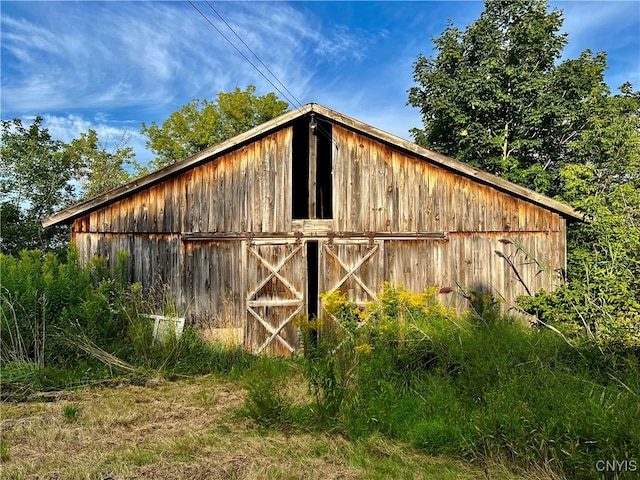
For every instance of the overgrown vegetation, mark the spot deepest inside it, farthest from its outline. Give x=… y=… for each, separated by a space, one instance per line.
x=483 y=386
x=63 y=325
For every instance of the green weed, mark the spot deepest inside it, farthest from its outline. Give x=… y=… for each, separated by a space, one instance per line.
x=70 y=413
x=5 y=451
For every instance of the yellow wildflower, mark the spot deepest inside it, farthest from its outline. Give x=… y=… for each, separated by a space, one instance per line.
x=363 y=349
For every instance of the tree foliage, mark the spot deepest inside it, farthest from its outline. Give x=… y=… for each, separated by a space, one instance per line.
x=601 y=298
x=101 y=169
x=40 y=175
x=201 y=124
x=497 y=96
x=36 y=179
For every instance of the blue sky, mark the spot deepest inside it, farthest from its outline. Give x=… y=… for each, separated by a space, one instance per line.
x=112 y=65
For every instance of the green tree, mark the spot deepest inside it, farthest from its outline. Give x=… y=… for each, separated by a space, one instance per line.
x=36 y=179
x=495 y=97
x=102 y=170
x=601 y=298
x=201 y=124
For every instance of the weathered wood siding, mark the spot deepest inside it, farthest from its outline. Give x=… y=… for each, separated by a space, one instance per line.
x=244 y=190
x=381 y=189
x=378 y=189
x=379 y=193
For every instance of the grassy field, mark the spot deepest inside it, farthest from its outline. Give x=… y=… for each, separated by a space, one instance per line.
x=193 y=429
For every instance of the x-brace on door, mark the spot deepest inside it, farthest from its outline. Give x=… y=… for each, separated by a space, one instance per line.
x=276 y=272
x=352 y=266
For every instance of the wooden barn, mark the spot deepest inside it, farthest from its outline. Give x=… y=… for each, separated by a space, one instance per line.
x=247 y=233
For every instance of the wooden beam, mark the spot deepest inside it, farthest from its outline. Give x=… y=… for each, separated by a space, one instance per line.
x=351 y=272
x=275 y=273
x=313 y=170
x=271 y=330
x=220 y=236
x=276 y=332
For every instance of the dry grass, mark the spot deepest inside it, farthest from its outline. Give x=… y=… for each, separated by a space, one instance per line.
x=189 y=430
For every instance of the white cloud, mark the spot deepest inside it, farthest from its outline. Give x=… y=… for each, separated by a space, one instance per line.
x=111 y=133
x=87 y=55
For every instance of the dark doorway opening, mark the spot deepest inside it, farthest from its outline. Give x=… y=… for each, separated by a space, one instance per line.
x=300 y=170
x=312 y=279
x=324 y=190
x=312 y=164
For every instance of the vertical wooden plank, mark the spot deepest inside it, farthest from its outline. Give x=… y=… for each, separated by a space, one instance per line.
x=239 y=220
x=364 y=180
x=348 y=187
x=515 y=214
x=468 y=205
x=385 y=189
x=93 y=221
x=213 y=196
x=497 y=217
x=445 y=194
x=152 y=216
x=168 y=209
x=377 y=187
x=339 y=204
x=286 y=191
x=249 y=196
x=522 y=215
x=255 y=208
x=232 y=207
x=484 y=199
x=313 y=171
x=221 y=178
x=196 y=200
x=177 y=200
x=146 y=259
x=355 y=179
x=396 y=221
x=408 y=193
x=278 y=182
x=205 y=198
x=267 y=185
x=273 y=184
x=432 y=222
x=144 y=210
x=507 y=220
x=160 y=206
x=339 y=179
x=242 y=188
x=101 y=221
x=420 y=205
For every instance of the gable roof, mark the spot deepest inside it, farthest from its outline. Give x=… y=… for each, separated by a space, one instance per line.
x=69 y=214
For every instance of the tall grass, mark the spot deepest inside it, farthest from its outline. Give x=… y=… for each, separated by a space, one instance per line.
x=62 y=324
x=484 y=386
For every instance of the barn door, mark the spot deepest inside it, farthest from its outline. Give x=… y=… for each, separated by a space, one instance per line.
x=276 y=291
x=352 y=266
